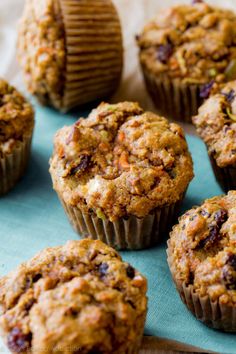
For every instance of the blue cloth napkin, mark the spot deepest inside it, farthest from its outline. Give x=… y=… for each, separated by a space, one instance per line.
x=31 y=218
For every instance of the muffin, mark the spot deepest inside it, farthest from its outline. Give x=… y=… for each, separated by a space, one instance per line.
x=16 y=129
x=184 y=51
x=80 y=297
x=70 y=51
x=202 y=260
x=216 y=125
x=121 y=174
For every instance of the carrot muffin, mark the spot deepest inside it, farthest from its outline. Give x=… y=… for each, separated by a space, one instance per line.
x=184 y=51
x=202 y=260
x=216 y=125
x=16 y=129
x=70 y=51
x=80 y=297
x=121 y=174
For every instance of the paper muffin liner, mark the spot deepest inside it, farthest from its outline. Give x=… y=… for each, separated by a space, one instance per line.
x=212 y=313
x=12 y=166
x=173 y=98
x=94 y=53
x=124 y=233
x=225 y=176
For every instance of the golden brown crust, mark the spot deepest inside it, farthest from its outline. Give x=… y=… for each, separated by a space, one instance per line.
x=16 y=118
x=216 y=124
x=80 y=296
x=194 y=43
x=202 y=249
x=121 y=161
x=41 y=49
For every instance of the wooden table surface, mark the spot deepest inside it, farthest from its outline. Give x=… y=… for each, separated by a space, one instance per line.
x=154 y=345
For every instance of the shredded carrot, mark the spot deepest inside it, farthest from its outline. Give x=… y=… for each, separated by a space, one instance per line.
x=121 y=136
x=123 y=161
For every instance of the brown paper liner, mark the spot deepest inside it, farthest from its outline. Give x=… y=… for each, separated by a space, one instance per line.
x=226 y=176
x=130 y=233
x=12 y=166
x=172 y=98
x=94 y=57
x=212 y=313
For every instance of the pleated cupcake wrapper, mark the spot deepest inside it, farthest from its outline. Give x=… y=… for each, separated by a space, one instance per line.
x=226 y=176
x=130 y=233
x=12 y=166
x=212 y=313
x=173 y=98
x=94 y=51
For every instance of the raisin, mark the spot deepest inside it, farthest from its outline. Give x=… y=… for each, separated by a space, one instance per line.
x=220 y=217
x=229 y=277
x=232 y=261
x=18 y=341
x=130 y=271
x=171 y=172
x=205 y=90
x=103 y=267
x=36 y=277
x=29 y=304
x=233 y=152
x=82 y=166
x=229 y=96
x=164 y=52
x=205 y=213
x=213 y=237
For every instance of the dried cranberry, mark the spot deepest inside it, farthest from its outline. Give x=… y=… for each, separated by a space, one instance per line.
x=17 y=341
x=205 y=90
x=103 y=267
x=130 y=271
x=197 y=1
x=164 y=52
x=82 y=166
x=229 y=96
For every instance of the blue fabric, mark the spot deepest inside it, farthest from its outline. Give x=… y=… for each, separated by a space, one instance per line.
x=31 y=218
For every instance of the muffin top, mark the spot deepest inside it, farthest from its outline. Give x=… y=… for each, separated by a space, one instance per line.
x=81 y=295
x=16 y=118
x=216 y=124
x=195 y=43
x=202 y=248
x=41 y=49
x=121 y=161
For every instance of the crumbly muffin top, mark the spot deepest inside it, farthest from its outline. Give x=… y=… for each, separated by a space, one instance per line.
x=121 y=161
x=216 y=124
x=78 y=297
x=41 y=49
x=203 y=248
x=196 y=43
x=16 y=118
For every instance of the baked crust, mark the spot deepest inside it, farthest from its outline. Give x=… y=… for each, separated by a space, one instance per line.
x=216 y=125
x=194 y=43
x=202 y=249
x=121 y=161
x=16 y=118
x=78 y=297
